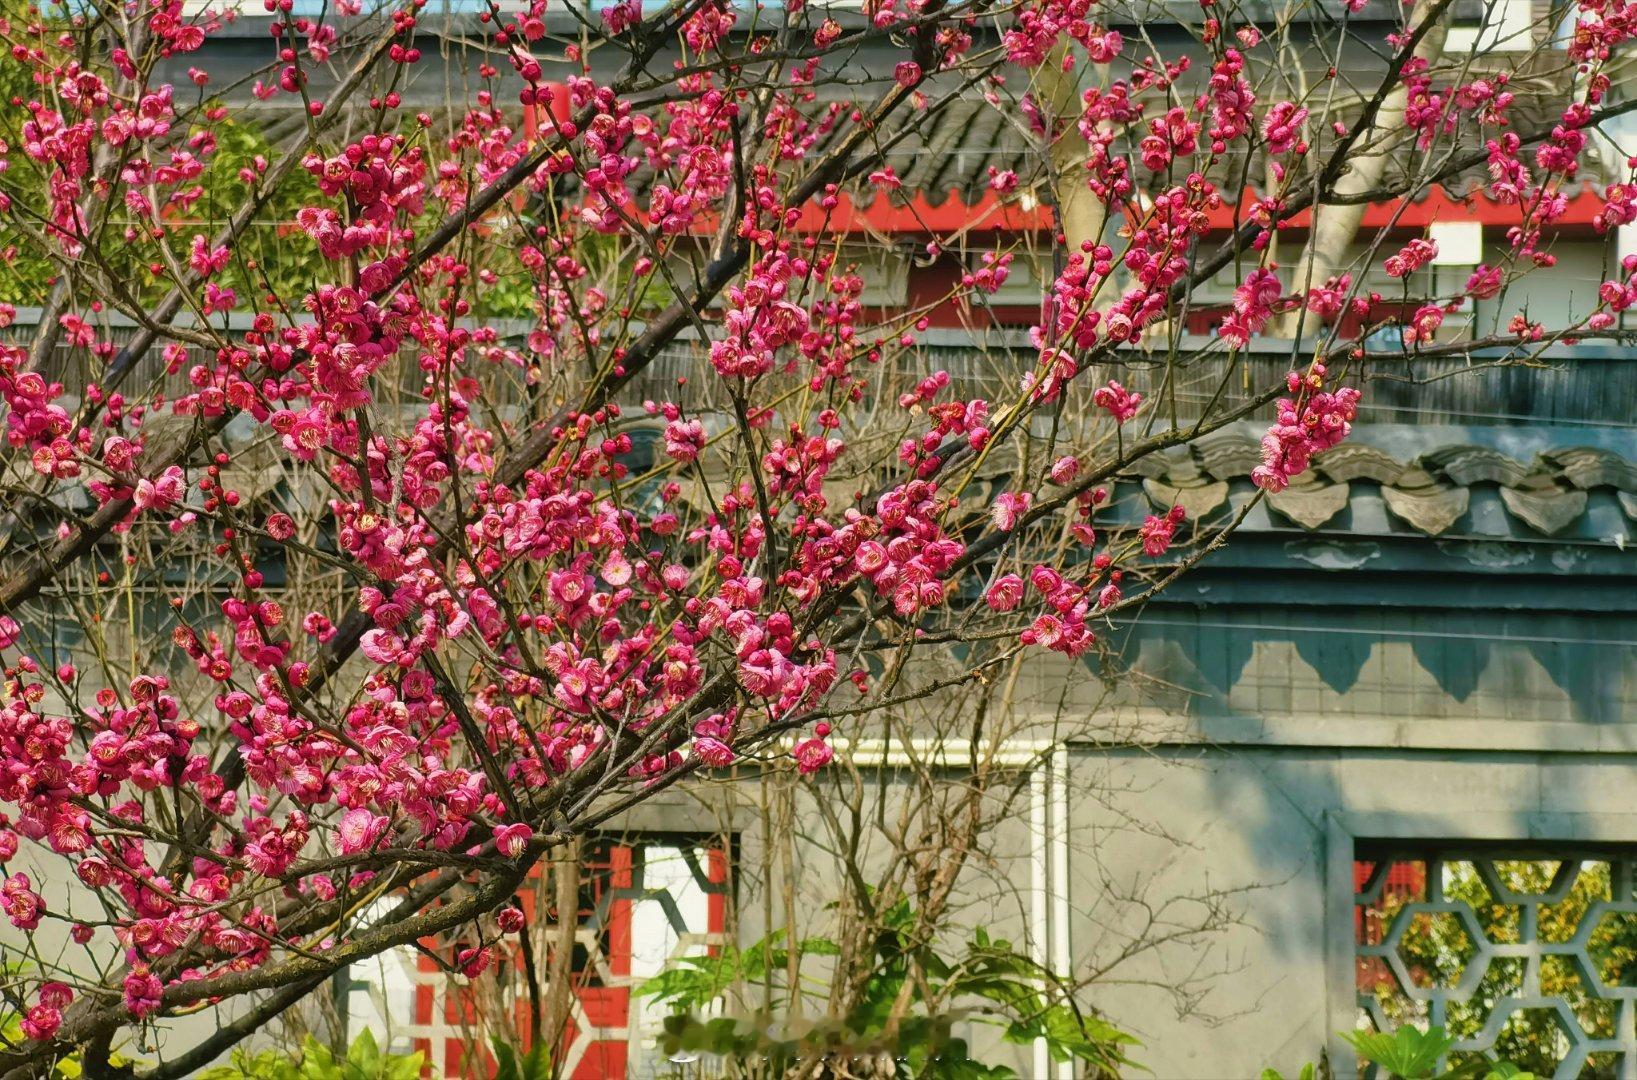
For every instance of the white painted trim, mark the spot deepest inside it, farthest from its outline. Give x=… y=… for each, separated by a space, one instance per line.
x=944 y=753
x=1038 y=913
x=1057 y=770
x=1460 y=243
x=1505 y=27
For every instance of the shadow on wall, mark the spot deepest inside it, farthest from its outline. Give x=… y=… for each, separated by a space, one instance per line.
x=1204 y=818
x=1257 y=662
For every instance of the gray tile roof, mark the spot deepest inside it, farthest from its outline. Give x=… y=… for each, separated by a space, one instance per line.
x=1431 y=493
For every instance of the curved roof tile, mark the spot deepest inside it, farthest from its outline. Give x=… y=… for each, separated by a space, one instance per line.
x=1430 y=493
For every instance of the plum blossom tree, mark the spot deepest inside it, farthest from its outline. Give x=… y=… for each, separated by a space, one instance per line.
x=328 y=612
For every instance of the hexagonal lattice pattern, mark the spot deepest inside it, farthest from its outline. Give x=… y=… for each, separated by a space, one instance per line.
x=1529 y=955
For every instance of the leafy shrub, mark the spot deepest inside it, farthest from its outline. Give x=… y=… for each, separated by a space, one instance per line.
x=987 y=982
x=364 y=1061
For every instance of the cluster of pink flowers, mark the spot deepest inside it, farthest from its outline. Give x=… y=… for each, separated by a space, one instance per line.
x=1008 y=508
x=1117 y=401
x=759 y=321
x=1170 y=136
x=20 y=902
x=45 y=1016
x=901 y=550
x=995 y=267
x=1062 y=627
x=1157 y=532
x=1156 y=258
x=1424 y=323
x=34 y=420
x=1256 y=300
x=1041 y=26
x=1616 y=296
x=1310 y=421
x=1412 y=257
x=1231 y=101
x=1329 y=300
x=1602 y=26
x=1433 y=113
x=1282 y=127
x=698 y=139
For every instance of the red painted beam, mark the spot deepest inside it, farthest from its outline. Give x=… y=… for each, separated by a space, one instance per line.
x=988 y=213
x=920 y=216
x=1437 y=204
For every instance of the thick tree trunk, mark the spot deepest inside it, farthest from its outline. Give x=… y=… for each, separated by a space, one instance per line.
x=565 y=873
x=1336 y=227
x=1081 y=214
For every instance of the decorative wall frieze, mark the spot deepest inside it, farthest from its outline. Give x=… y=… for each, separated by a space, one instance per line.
x=1431 y=493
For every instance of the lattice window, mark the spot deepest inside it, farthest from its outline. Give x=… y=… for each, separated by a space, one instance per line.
x=1528 y=956
x=643 y=903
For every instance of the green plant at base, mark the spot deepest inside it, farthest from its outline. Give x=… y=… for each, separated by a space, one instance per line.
x=364 y=1061
x=537 y=1064
x=1412 y=1054
x=1309 y=1072
x=1408 y=1052
x=987 y=982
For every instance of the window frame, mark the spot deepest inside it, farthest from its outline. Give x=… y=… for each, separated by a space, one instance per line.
x=1502 y=26
x=1346 y=831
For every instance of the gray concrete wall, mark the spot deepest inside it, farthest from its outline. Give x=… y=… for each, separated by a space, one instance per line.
x=1259 y=824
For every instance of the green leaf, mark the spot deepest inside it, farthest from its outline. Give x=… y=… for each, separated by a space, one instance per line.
x=900 y=916
x=1409 y=1052
x=695 y=981
x=364 y=1055
x=1487 y=1070
x=534 y=1065
x=1505 y=1070
x=1309 y=1072
x=406 y=1066
x=364 y=1061
x=817 y=946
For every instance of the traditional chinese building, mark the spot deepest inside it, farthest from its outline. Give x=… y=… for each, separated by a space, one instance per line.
x=1389 y=716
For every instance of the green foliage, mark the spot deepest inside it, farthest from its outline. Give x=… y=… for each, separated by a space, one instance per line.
x=696 y=981
x=364 y=1061
x=1412 y=1054
x=987 y=982
x=1309 y=1072
x=282 y=255
x=1407 y=1052
x=511 y=1065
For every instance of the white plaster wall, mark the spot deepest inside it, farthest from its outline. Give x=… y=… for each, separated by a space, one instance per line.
x=1559 y=294
x=1250 y=825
